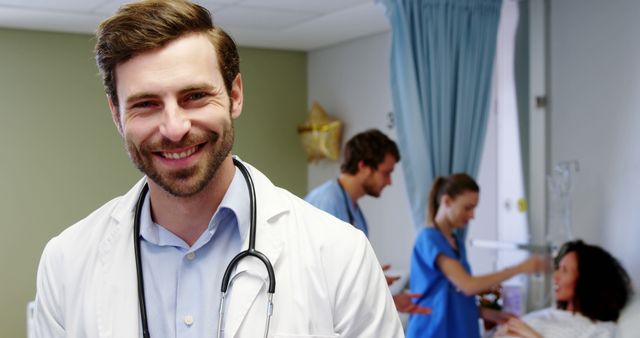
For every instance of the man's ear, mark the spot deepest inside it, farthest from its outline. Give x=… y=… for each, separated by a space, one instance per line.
x=115 y=115
x=236 y=96
x=362 y=167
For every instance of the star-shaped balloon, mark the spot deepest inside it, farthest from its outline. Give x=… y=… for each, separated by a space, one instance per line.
x=320 y=134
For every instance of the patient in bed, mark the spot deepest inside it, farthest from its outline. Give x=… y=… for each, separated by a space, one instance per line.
x=591 y=289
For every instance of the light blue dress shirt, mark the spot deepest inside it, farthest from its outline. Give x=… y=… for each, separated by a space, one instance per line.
x=331 y=198
x=182 y=283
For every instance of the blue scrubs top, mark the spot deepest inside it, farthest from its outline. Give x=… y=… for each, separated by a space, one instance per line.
x=331 y=198
x=455 y=315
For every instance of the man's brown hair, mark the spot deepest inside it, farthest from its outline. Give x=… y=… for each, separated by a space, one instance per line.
x=371 y=147
x=151 y=24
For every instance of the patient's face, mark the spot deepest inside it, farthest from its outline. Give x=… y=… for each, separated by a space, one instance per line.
x=565 y=278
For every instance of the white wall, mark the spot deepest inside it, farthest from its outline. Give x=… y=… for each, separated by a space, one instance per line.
x=351 y=81
x=484 y=226
x=595 y=118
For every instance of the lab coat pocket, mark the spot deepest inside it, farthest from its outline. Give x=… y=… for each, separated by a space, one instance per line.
x=280 y=335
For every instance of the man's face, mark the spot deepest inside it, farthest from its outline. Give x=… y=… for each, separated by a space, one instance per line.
x=175 y=114
x=379 y=178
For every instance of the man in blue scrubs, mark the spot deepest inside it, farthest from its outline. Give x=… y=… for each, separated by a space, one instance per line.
x=369 y=160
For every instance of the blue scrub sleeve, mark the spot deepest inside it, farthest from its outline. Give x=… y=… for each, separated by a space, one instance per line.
x=325 y=197
x=325 y=204
x=430 y=244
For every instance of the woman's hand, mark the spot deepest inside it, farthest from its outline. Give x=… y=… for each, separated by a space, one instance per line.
x=516 y=327
x=495 y=316
x=534 y=264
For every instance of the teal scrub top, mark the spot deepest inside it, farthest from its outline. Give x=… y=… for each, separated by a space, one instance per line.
x=454 y=314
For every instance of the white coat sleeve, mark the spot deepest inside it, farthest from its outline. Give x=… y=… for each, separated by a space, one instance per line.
x=48 y=316
x=364 y=306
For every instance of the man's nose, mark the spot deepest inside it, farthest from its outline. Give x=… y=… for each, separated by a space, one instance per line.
x=175 y=123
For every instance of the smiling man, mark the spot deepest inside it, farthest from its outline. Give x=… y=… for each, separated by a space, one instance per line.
x=151 y=261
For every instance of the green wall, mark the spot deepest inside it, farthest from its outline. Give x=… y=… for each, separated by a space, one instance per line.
x=62 y=157
x=275 y=91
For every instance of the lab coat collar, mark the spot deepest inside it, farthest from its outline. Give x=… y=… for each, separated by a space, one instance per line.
x=117 y=309
x=124 y=211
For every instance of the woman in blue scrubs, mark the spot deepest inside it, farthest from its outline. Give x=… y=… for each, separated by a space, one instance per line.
x=440 y=270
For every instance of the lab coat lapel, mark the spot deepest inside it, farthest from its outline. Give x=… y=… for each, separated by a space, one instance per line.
x=117 y=307
x=252 y=278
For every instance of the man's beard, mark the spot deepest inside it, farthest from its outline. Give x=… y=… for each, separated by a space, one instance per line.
x=176 y=182
x=370 y=189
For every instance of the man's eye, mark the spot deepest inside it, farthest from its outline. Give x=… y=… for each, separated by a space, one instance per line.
x=196 y=96
x=143 y=104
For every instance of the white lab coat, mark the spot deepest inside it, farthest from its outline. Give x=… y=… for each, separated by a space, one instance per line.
x=329 y=282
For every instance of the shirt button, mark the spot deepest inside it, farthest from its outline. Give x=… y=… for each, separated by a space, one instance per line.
x=188 y=319
x=191 y=256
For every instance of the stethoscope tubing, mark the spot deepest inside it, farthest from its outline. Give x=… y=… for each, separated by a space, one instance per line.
x=136 y=245
x=226 y=279
x=251 y=251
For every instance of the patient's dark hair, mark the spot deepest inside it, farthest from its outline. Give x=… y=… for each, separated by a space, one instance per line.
x=603 y=286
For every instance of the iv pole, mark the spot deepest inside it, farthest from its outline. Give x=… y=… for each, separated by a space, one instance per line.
x=558 y=227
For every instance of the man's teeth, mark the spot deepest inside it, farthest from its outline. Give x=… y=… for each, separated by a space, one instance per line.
x=177 y=156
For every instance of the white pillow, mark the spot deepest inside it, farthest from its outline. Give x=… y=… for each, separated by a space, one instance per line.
x=629 y=322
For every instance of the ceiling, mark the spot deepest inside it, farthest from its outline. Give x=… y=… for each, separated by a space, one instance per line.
x=281 y=24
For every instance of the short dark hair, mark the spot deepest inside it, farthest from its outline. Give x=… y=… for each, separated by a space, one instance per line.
x=452 y=186
x=371 y=147
x=603 y=287
x=150 y=24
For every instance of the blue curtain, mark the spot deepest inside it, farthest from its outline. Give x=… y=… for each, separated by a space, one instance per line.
x=442 y=55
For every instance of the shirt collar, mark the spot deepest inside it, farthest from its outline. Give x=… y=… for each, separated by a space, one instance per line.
x=235 y=200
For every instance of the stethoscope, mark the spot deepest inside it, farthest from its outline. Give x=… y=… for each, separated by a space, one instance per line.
x=251 y=251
